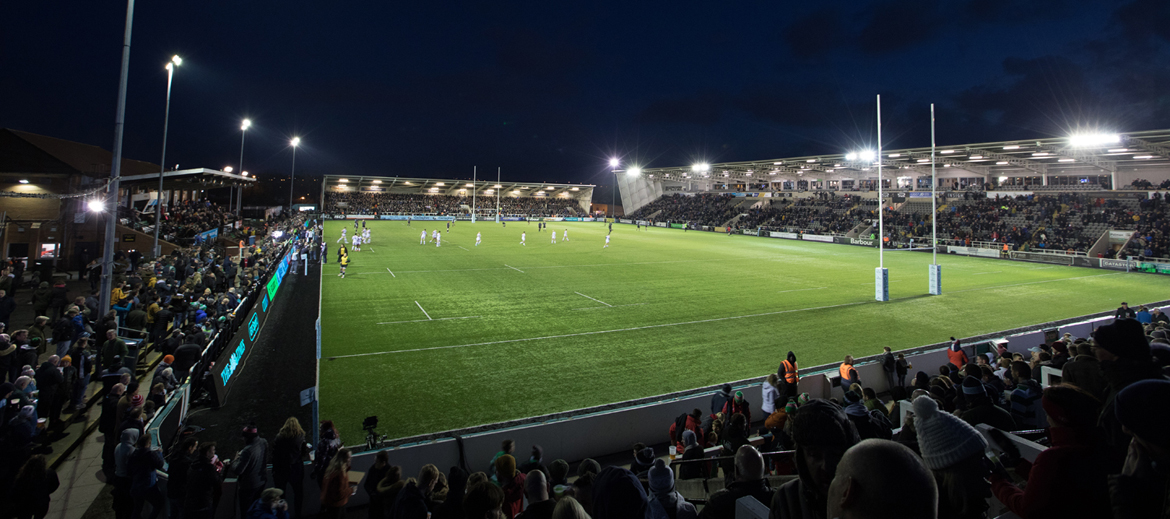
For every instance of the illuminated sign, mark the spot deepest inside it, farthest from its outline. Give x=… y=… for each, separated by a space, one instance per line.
x=233 y=363
x=264 y=301
x=253 y=326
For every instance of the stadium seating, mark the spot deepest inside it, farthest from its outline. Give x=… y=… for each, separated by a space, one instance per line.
x=339 y=203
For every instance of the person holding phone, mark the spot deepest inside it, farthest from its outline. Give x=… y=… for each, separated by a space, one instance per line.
x=271 y=505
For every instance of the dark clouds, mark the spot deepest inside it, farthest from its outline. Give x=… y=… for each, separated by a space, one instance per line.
x=548 y=91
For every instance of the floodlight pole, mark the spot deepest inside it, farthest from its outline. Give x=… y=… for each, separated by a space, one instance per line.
x=163 y=167
x=498 y=194
x=116 y=168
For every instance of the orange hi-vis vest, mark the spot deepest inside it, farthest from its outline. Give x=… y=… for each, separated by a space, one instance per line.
x=844 y=369
x=790 y=375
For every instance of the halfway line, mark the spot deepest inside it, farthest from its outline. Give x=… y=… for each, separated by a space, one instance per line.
x=598 y=300
x=647 y=327
x=424 y=311
x=429 y=320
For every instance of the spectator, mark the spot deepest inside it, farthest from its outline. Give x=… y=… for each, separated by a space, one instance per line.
x=390 y=485
x=178 y=465
x=335 y=486
x=953 y=450
x=123 y=499
x=484 y=500
x=750 y=480
x=720 y=398
x=618 y=494
x=534 y=462
x=512 y=483
x=108 y=426
x=980 y=409
x=740 y=405
x=559 y=474
x=506 y=447
x=955 y=353
x=452 y=506
x=882 y=479
x=665 y=503
x=869 y=424
x=251 y=468
x=903 y=367
x=1124 y=312
x=1124 y=356
x=691 y=422
x=569 y=508
x=536 y=490
x=288 y=467
x=822 y=433
x=873 y=403
x=414 y=500
x=734 y=436
x=692 y=451
x=770 y=394
x=1025 y=398
x=889 y=367
x=1142 y=489
x=643 y=459
x=113 y=351
x=49 y=382
x=269 y=506
x=144 y=465
x=204 y=485
x=327 y=447
x=1074 y=464
x=34 y=483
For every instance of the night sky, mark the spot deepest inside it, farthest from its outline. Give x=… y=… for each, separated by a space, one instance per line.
x=550 y=90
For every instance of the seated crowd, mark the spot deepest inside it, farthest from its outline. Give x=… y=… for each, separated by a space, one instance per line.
x=173 y=305
x=182 y=221
x=1106 y=450
x=446 y=205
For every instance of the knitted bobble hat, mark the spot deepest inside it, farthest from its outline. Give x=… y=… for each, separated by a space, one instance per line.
x=943 y=438
x=661 y=478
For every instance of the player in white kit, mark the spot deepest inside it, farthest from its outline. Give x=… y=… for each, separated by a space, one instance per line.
x=422 y=239
x=554 y=237
x=477 y=238
x=522 y=235
x=365 y=235
x=357 y=243
x=438 y=239
x=606 y=242
x=565 y=236
x=341 y=240
x=435 y=235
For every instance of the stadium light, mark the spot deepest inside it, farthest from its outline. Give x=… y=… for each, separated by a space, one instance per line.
x=613 y=163
x=701 y=167
x=227 y=169
x=851 y=156
x=1093 y=139
x=23 y=181
x=244 y=173
x=866 y=155
x=246 y=124
x=634 y=171
x=96 y=206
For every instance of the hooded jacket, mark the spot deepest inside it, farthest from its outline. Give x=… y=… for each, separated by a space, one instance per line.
x=123 y=451
x=617 y=494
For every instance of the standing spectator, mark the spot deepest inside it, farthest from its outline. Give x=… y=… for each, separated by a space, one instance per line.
x=7 y=306
x=1025 y=398
x=113 y=351
x=40 y=299
x=789 y=377
x=1125 y=358
x=8 y=367
x=822 y=433
x=536 y=490
x=144 y=465
x=327 y=446
x=770 y=394
x=512 y=483
x=288 y=466
x=664 y=501
x=750 y=480
x=953 y=450
x=269 y=506
x=1074 y=464
x=49 y=382
x=335 y=486
x=740 y=405
x=377 y=508
x=890 y=368
x=204 y=485
x=879 y=478
x=720 y=398
x=1142 y=489
x=108 y=425
x=34 y=483
x=1084 y=370
x=123 y=499
x=414 y=501
x=1124 y=312
x=58 y=298
x=535 y=462
x=250 y=467
x=694 y=423
x=955 y=353
x=178 y=465
x=484 y=500
x=452 y=506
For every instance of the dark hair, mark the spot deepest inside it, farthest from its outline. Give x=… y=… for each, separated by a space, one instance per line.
x=1021 y=369
x=868 y=393
x=508 y=446
x=205 y=448
x=697 y=413
x=482 y=498
x=639 y=446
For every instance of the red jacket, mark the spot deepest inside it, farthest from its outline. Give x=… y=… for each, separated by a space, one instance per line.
x=514 y=495
x=732 y=407
x=958 y=358
x=1066 y=480
x=693 y=425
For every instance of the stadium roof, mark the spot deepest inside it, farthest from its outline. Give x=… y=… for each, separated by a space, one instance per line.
x=456 y=187
x=1080 y=155
x=198 y=178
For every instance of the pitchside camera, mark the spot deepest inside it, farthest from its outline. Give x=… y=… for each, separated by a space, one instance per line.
x=370 y=423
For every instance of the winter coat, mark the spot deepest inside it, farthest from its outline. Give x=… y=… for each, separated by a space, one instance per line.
x=671 y=505
x=768 y=398
x=722 y=503
x=203 y=486
x=1072 y=466
x=718 y=400
x=250 y=466
x=259 y=510
x=123 y=451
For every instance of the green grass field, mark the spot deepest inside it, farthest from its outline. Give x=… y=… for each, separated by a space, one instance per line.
x=432 y=339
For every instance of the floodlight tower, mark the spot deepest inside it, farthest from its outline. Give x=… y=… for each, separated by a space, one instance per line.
x=174 y=62
x=613 y=165
x=296 y=141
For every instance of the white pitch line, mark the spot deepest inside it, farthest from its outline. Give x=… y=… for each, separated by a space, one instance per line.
x=372 y=249
x=599 y=332
x=1032 y=283
x=514 y=268
x=606 y=307
x=461 y=247
x=424 y=311
x=390 y=271
x=1041 y=268
x=598 y=300
x=800 y=290
x=981 y=273
x=429 y=320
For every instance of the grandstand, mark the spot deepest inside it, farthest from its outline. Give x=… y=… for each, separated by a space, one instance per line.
x=376 y=196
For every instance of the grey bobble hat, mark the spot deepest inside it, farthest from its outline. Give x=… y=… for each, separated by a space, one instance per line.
x=943 y=438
